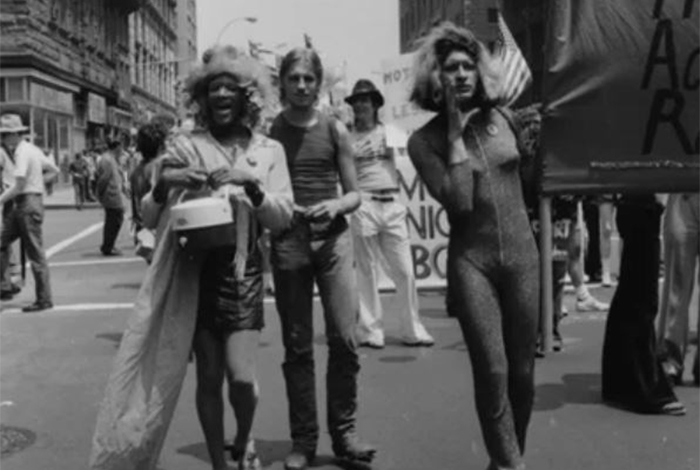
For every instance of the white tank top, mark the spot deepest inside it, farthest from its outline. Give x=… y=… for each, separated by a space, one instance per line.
x=374 y=160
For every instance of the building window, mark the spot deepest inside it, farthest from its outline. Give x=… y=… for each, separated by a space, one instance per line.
x=492 y=14
x=39 y=128
x=14 y=89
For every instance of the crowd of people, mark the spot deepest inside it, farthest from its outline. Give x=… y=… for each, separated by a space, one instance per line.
x=328 y=197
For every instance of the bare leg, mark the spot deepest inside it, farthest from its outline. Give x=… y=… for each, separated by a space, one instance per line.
x=606 y=230
x=584 y=300
x=241 y=347
x=210 y=404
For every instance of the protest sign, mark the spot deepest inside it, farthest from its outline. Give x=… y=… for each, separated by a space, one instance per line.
x=621 y=97
x=427 y=221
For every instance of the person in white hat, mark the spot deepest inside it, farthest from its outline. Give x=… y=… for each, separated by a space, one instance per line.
x=380 y=228
x=11 y=285
x=25 y=218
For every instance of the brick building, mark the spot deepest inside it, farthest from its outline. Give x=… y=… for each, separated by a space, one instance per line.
x=153 y=45
x=416 y=17
x=64 y=66
x=187 y=41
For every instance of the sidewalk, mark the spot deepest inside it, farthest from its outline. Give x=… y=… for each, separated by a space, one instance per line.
x=63 y=197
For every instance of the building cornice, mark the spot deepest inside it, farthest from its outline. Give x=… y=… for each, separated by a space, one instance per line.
x=128 y=6
x=40 y=76
x=10 y=61
x=137 y=90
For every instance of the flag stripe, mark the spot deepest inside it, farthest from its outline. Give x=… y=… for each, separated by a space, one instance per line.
x=517 y=74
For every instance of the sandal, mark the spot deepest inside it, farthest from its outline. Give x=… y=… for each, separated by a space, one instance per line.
x=245 y=459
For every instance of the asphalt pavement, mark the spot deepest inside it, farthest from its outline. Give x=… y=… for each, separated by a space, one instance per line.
x=416 y=405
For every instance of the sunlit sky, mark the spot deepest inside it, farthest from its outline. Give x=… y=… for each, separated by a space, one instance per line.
x=361 y=32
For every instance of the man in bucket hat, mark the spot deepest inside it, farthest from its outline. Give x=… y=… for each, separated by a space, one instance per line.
x=379 y=226
x=26 y=216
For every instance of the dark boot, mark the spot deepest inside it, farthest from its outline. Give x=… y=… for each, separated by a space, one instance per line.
x=351 y=449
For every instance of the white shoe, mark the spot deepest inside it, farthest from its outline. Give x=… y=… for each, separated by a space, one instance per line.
x=607 y=280
x=426 y=342
x=564 y=311
x=374 y=344
x=588 y=303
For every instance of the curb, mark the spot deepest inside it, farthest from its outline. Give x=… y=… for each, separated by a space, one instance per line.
x=64 y=206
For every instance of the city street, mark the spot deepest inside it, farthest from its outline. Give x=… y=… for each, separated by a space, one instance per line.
x=416 y=405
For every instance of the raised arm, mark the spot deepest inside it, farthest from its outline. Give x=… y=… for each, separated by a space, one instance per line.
x=448 y=178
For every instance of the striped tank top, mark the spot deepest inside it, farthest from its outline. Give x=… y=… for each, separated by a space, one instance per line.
x=311 y=158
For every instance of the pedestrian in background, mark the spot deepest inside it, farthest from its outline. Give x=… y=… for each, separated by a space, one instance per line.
x=563 y=216
x=111 y=192
x=585 y=301
x=633 y=376
x=380 y=228
x=468 y=157
x=49 y=183
x=598 y=216
x=11 y=283
x=24 y=221
x=150 y=142
x=211 y=300
x=91 y=175
x=79 y=174
x=317 y=249
x=681 y=234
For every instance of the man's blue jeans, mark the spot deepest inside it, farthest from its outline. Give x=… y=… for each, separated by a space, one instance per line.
x=24 y=222
x=298 y=261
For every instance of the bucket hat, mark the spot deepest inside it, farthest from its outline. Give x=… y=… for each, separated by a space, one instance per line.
x=12 y=123
x=364 y=87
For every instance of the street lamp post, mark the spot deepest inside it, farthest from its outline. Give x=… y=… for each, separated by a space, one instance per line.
x=248 y=19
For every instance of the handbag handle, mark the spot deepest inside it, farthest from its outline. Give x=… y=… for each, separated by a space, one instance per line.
x=226 y=195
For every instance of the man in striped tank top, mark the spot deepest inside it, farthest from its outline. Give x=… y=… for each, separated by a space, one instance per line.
x=379 y=226
x=317 y=249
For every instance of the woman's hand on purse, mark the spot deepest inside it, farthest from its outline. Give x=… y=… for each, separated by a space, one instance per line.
x=224 y=175
x=190 y=178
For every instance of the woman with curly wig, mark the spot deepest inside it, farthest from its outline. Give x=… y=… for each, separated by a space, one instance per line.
x=211 y=300
x=469 y=156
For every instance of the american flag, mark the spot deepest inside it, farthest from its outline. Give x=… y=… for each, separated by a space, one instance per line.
x=517 y=75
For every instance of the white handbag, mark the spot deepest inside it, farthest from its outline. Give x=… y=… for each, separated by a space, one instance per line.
x=204 y=223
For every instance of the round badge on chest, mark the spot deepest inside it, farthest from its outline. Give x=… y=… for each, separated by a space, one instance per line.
x=492 y=129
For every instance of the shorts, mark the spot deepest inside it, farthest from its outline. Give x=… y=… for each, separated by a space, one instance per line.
x=227 y=305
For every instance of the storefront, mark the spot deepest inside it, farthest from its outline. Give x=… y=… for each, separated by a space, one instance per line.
x=119 y=124
x=96 y=120
x=46 y=104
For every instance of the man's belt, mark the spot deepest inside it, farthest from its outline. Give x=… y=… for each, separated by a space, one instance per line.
x=384 y=195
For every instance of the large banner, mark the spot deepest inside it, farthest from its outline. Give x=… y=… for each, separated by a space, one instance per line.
x=427 y=221
x=427 y=226
x=621 y=96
